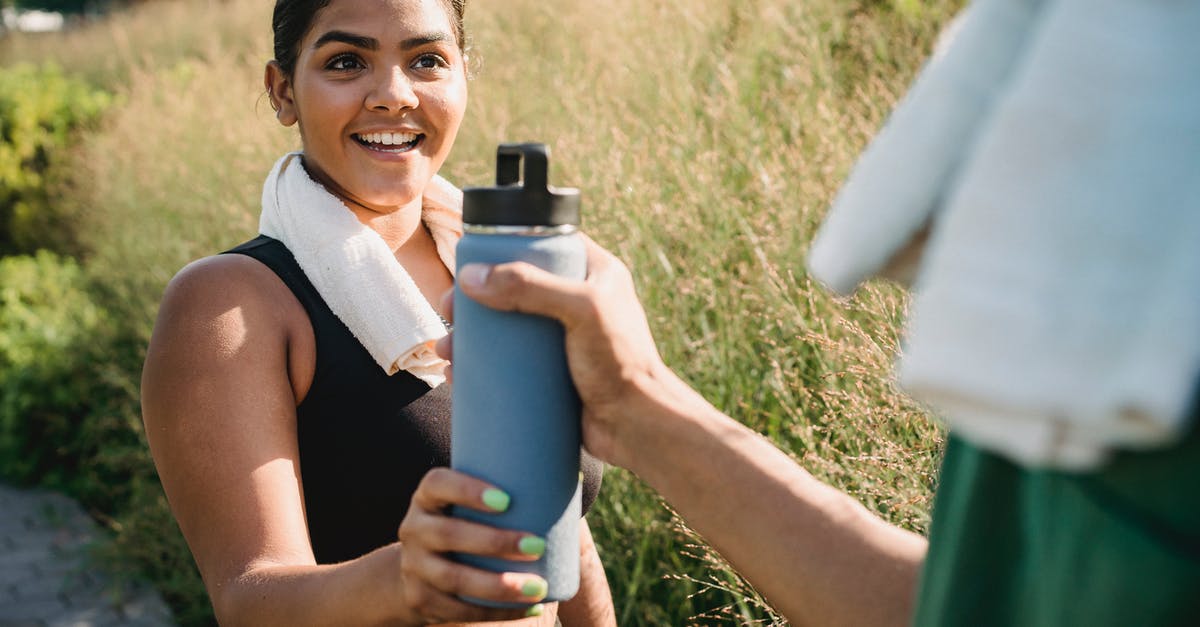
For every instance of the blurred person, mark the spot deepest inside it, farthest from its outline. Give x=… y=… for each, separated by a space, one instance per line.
x=293 y=403
x=1040 y=185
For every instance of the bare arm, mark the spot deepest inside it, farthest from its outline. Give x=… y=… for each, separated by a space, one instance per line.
x=219 y=407
x=814 y=552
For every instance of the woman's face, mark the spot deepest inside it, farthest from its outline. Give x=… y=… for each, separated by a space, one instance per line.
x=379 y=92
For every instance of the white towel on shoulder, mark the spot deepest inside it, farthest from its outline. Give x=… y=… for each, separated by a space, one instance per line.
x=356 y=273
x=1051 y=150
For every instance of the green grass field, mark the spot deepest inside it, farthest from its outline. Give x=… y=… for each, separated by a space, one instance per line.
x=707 y=137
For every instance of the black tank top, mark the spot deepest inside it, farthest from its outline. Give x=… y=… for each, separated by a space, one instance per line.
x=366 y=439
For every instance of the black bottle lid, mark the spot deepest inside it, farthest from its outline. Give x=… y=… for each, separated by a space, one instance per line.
x=533 y=203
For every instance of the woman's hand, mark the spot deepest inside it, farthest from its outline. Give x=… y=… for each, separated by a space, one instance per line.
x=611 y=353
x=430 y=582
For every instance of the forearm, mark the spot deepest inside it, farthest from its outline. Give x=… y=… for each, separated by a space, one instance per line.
x=363 y=591
x=592 y=606
x=815 y=553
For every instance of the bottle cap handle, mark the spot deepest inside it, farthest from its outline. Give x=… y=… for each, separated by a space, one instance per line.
x=508 y=165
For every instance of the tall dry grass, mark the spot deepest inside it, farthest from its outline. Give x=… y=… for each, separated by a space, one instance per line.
x=707 y=136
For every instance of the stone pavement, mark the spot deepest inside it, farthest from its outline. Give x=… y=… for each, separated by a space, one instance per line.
x=45 y=579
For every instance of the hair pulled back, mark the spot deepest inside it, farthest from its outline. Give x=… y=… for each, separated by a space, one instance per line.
x=293 y=18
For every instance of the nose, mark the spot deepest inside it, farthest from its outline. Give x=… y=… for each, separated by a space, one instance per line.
x=392 y=92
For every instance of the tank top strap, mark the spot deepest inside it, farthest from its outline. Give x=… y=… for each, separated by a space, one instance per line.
x=276 y=256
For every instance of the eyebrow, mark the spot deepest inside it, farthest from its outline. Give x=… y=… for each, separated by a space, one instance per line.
x=341 y=36
x=370 y=43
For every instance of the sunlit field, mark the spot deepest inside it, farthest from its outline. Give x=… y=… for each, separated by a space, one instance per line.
x=707 y=137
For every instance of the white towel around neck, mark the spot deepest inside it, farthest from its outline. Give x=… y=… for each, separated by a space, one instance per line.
x=1051 y=150
x=356 y=273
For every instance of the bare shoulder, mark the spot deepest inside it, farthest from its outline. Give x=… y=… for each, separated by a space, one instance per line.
x=226 y=312
x=219 y=406
x=214 y=283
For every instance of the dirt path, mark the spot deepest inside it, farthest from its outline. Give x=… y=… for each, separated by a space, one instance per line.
x=44 y=578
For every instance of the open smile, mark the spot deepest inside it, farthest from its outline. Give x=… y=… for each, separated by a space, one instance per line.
x=393 y=143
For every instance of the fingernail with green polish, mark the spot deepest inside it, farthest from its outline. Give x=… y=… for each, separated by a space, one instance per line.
x=535 y=610
x=532 y=545
x=495 y=499
x=536 y=588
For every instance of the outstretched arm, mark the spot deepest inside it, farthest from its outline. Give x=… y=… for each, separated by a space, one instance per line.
x=815 y=553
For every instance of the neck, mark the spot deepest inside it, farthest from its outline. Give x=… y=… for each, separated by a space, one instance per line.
x=396 y=225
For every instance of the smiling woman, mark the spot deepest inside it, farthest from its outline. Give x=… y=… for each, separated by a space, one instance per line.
x=348 y=89
x=297 y=414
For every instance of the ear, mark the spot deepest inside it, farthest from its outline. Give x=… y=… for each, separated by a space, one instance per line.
x=279 y=91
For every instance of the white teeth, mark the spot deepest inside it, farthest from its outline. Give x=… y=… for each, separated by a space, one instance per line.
x=388 y=139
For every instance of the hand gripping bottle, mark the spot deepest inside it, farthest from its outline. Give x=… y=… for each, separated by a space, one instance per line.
x=515 y=416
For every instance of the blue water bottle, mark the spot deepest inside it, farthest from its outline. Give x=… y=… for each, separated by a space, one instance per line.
x=515 y=416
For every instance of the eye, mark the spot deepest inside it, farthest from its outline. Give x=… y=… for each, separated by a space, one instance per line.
x=344 y=63
x=430 y=61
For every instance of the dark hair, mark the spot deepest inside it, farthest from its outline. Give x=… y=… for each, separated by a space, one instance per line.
x=293 y=18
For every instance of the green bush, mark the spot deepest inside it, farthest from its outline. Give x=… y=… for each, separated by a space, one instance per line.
x=70 y=420
x=45 y=315
x=48 y=326
x=40 y=110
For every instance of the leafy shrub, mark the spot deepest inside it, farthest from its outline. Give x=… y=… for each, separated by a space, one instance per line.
x=47 y=323
x=70 y=420
x=44 y=316
x=40 y=109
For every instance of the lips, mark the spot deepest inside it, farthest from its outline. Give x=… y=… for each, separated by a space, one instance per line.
x=389 y=141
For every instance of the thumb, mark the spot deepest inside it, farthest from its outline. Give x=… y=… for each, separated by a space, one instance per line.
x=524 y=288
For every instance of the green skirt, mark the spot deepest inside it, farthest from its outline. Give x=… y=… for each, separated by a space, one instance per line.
x=1010 y=546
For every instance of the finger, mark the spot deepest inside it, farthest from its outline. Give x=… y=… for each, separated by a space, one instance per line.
x=437 y=607
x=461 y=580
x=443 y=487
x=445 y=534
x=524 y=288
x=431 y=605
